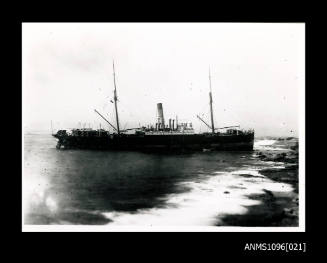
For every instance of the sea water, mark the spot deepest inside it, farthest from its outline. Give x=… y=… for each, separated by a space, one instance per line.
x=85 y=187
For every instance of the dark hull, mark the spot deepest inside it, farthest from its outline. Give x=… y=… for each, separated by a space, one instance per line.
x=159 y=142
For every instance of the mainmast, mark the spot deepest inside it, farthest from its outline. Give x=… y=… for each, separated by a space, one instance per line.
x=115 y=98
x=210 y=98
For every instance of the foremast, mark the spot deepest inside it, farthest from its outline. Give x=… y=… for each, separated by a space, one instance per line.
x=210 y=99
x=115 y=98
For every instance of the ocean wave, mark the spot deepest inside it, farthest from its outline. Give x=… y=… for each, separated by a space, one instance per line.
x=218 y=194
x=269 y=145
x=264 y=142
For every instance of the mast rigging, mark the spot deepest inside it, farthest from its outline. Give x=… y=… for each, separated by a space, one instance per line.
x=105 y=120
x=115 y=97
x=203 y=121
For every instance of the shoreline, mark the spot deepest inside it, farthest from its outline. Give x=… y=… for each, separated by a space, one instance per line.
x=277 y=209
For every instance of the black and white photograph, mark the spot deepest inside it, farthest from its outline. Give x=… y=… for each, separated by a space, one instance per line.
x=183 y=127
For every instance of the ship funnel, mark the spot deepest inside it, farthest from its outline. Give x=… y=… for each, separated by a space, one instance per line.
x=169 y=123
x=173 y=128
x=160 y=115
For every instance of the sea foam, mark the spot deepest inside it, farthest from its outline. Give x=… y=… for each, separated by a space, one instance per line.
x=216 y=195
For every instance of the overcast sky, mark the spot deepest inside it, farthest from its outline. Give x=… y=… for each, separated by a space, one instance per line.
x=257 y=73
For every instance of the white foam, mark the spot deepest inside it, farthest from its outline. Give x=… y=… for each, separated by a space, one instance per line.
x=267 y=145
x=264 y=142
x=215 y=196
x=274 y=148
x=249 y=172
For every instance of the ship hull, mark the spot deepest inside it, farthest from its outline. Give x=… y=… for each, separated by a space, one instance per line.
x=243 y=142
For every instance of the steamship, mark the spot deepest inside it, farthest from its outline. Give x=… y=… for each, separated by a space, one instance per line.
x=161 y=136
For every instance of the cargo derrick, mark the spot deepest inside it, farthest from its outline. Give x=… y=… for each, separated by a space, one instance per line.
x=172 y=136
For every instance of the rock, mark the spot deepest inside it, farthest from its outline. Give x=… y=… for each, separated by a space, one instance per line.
x=289 y=212
x=294 y=148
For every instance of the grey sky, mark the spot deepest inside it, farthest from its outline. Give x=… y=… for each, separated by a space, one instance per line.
x=257 y=73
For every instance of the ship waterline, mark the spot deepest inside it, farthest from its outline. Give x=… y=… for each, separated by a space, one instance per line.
x=209 y=141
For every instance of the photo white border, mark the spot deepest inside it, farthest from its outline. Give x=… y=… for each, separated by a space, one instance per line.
x=108 y=228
